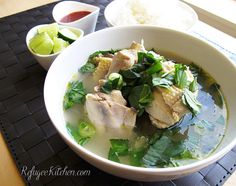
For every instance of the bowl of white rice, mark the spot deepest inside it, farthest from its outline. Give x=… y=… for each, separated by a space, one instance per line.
x=172 y=14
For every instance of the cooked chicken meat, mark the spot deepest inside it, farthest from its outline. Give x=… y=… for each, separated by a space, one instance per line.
x=103 y=65
x=123 y=60
x=126 y=58
x=137 y=46
x=167 y=107
x=109 y=110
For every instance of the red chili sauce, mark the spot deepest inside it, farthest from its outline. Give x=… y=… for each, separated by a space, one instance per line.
x=74 y=16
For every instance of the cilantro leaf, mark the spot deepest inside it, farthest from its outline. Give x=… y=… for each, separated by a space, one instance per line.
x=87 y=68
x=75 y=94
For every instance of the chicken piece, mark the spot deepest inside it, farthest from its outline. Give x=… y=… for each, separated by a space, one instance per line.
x=103 y=65
x=109 y=110
x=171 y=95
x=123 y=60
x=137 y=46
x=159 y=112
x=167 y=107
x=126 y=58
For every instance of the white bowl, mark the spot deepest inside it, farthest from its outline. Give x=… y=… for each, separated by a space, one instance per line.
x=46 y=60
x=183 y=44
x=87 y=23
x=184 y=14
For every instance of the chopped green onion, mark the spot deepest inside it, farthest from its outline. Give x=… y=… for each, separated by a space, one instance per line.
x=86 y=129
x=120 y=146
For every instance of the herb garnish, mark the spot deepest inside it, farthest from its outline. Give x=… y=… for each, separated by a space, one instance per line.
x=88 y=67
x=181 y=76
x=75 y=94
x=189 y=99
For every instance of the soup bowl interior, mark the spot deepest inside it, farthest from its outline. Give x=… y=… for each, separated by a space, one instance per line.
x=182 y=44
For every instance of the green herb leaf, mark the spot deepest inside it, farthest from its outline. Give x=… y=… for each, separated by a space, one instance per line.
x=193 y=85
x=154 y=68
x=155 y=154
x=189 y=99
x=181 y=76
x=113 y=156
x=86 y=129
x=161 y=82
x=75 y=94
x=140 y=96
x=120 y=146
x=107 y=87
x=87 y=68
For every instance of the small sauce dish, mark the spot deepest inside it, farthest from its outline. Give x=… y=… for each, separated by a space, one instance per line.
x=46 y=60
x=76 y=14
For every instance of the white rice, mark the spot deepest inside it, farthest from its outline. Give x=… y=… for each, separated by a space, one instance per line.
x=165 y=13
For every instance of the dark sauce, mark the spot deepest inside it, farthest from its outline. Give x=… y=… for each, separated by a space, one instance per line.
x=74 y=16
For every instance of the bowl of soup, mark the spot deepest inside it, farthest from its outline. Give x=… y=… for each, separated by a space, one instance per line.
x=149 y=104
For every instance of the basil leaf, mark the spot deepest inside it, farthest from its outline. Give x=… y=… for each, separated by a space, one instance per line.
x=113 y=156
x=155 y=67
x=181 y=76
x=75 y=94
x=189 y=99
x=161 y=82
x=120 y=146
x=155 y=154
x=140 y=96
x=193 y=85
x=87 y=68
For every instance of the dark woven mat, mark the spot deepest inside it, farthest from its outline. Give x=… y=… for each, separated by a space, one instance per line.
x=25 y=125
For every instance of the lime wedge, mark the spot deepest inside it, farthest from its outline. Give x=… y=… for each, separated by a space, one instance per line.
x=51 y=29
x=41 y=44
x=68 y=35
x=59 y=44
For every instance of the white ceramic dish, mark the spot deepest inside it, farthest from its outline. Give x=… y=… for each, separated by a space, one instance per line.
x=87 y=23
x=46 y=60
x=180 y=43
x=113 y=12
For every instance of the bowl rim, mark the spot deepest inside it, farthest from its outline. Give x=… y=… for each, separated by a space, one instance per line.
x=180 y=3
x=95 y=11
x=162 y=171
x=27 y=39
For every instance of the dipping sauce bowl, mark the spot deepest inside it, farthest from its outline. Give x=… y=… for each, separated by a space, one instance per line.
x=76 y=14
